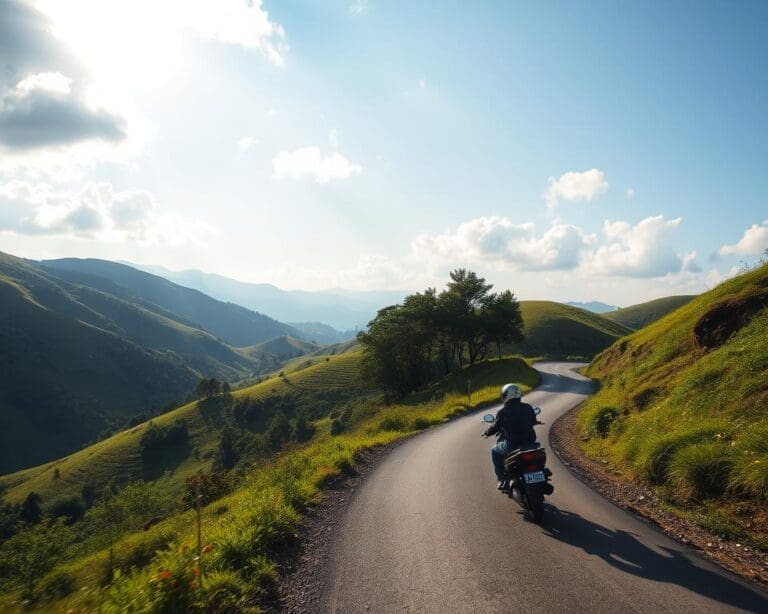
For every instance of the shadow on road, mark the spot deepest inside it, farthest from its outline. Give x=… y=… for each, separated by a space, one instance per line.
x=624 y=551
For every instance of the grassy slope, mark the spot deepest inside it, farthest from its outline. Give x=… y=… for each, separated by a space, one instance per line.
x=119 y=457
x=691 y=420
x=283 y=347
x=63 y=382
x=257 y=522
x=637 y=316
x=561 y=331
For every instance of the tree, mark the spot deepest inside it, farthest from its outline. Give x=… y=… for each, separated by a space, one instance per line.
x=34 y=551
x=279 y=430
x=208 y=387
x=226 y=454
x=303 y=429
x=30 y=510
x=502 y=321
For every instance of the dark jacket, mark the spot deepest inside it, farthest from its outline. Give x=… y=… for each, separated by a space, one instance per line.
x=515 y=422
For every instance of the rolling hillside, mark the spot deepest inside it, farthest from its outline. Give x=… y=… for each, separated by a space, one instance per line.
x=232 y=323
x=86 y=354
x=319 y=389
x=554 y=330
x=684 y=404
x=637 y=316
x=65 y=381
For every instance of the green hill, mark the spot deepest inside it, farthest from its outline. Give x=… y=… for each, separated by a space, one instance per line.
x=61 y=388
x=119 y=459
x=232 y=323
x=554 y=330
x=250 y=515
x=65 y=381
x=683 y=404
x=637 y=316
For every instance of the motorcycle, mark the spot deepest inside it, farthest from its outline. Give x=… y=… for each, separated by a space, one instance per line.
x=527 y=475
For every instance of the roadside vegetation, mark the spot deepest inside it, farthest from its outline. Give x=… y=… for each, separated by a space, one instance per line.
x=197 y=509
x=683 y=404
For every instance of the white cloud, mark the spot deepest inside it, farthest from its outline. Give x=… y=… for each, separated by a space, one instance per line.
x=358 y=7
x=573 y=186
x=642 y=250
x=246 y=143
x=499 y=241
x=96 y=211
x=630 y=192
x=752 y=243
x=310 y=162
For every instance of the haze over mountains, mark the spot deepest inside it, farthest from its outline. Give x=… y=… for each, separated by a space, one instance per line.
x=344 y=310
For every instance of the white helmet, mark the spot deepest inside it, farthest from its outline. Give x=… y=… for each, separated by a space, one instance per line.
x=510 y=391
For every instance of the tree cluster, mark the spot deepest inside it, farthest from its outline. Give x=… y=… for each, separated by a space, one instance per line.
x=209 y=387
x=406 y=346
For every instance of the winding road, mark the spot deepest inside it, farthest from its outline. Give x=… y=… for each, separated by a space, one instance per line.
x=427 y=531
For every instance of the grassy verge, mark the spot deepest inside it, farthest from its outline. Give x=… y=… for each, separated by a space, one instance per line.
x=683 y=405
x=248 y=532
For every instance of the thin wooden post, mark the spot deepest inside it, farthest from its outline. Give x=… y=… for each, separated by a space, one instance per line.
x=198 y=506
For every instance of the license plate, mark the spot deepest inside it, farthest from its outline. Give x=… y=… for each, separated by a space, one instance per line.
x=534 y=477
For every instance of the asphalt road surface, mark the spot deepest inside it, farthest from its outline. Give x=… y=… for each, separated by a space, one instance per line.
x=428 y=532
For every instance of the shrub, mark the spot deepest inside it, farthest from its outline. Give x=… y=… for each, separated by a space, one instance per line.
x=750 y=468
x=337 y=426
x=59 y=584
x=656 y=452
x=602 y=420
x=176 y=587
x=702 y=470
x=393 y=423
x=212 y=486
x=420 y=423
x=72 y=508
x=222 y=591
x=136 y=554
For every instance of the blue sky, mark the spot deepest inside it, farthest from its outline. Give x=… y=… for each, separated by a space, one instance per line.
x=571 y=151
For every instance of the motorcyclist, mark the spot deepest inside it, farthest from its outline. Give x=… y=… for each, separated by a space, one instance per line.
x=514 y=422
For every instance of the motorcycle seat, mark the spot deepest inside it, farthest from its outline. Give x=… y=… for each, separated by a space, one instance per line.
x=513 y=453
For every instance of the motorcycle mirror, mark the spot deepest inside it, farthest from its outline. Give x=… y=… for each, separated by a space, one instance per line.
x=537 y=410
x=489 y=418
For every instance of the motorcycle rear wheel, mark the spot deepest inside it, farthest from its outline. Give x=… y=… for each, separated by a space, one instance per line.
x=535 y=496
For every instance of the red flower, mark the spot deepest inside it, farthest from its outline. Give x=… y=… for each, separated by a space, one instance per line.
x=206 y=548
x=164 y=575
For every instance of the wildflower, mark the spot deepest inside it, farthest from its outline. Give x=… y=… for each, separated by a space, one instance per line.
x=195 y=571
x=175 y=583
x=206 y=548
x=164 y=575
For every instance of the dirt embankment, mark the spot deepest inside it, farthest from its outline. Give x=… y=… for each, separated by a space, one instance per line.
x=639 y=498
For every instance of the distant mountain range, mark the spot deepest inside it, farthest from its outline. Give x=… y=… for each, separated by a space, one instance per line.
x=344 y=310
x=88 y=345
x=593 y=306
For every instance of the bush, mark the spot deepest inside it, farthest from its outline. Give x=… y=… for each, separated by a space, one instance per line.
x=59 y=584
x=176 y=587
x=393 y=423
x=222 y=591
x=136 y=555
x=656 y=452
x=212 y=486
x=602 y=420
x=750 y=468
x=702 y=470
x=72 y=508
x=337 y=426
x=419 y=424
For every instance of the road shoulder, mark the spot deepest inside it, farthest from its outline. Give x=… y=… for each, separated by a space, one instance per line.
x=640 y=499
